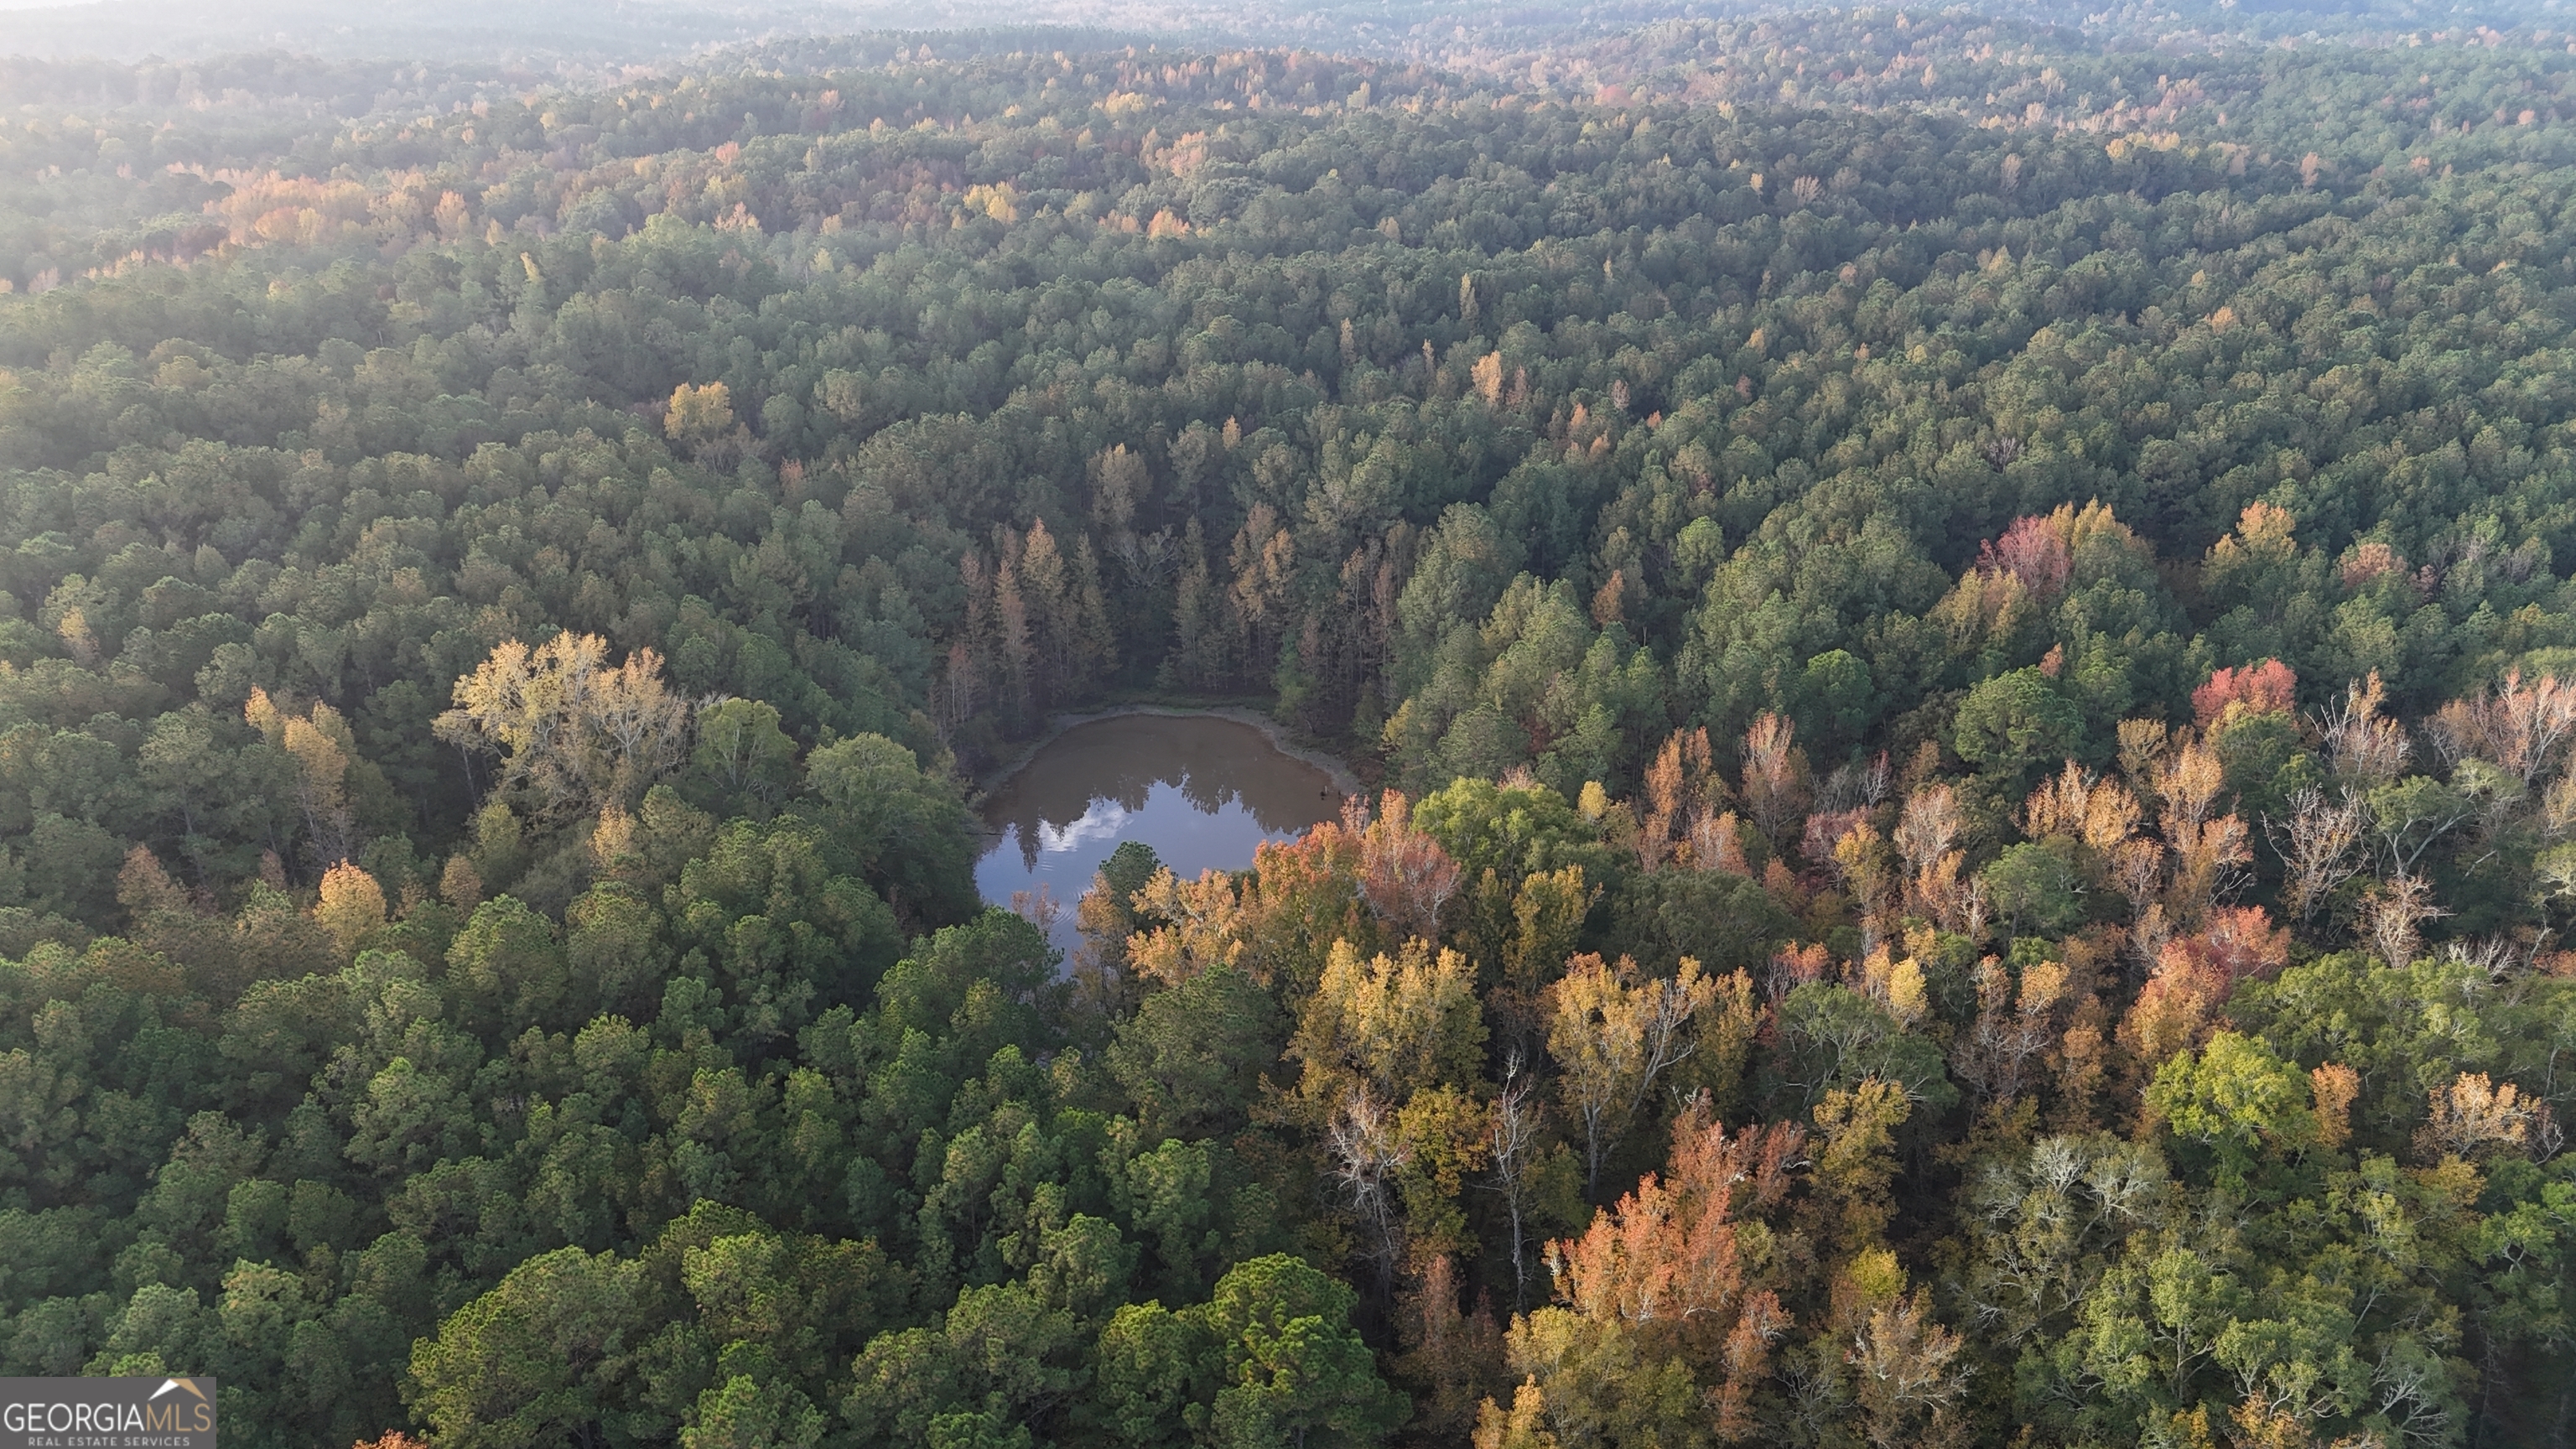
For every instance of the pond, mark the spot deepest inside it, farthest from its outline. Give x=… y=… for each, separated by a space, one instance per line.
x=1202 y=790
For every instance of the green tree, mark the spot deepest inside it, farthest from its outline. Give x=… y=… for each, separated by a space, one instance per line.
x=1290 y=1368
x=2237 y=1099
x=2016 y=723
x=542 y=1358
x=743 y=763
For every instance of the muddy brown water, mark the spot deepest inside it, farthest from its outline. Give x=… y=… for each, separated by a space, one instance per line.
x=1203 y=791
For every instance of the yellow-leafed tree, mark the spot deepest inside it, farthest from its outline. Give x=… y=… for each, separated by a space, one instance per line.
x=573 y=734
x=352 y=905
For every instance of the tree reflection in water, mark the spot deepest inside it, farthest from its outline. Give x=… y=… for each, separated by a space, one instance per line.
x=1202 y=791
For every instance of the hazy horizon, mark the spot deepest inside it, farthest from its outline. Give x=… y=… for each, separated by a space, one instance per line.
x=632 y=31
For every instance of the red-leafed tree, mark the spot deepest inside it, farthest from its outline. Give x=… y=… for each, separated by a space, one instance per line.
x=2266 y=688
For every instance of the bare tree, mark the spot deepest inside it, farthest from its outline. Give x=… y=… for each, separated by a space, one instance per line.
x=2014 y=1025
x=1148 y=561
x=2319 y=846
x=1926 y=836
x=1513 y=1136
x=2392 y=911
x=1908 y=1375
x=2138 y=869
x=2520 y=728
x=2365 y=747
x=1366 y=1152
x=1928 y=829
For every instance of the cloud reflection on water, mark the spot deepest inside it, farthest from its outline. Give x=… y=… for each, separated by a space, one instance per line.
x=1103 y=821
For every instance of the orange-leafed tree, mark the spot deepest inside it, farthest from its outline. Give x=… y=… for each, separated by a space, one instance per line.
x=1775 y=775
x=1404 y=874
x=2472 y=1116
x=2178 y=1007
x=1452 y=1358
x=1304 y=896
x=1665 y=1265
x=1683 y=793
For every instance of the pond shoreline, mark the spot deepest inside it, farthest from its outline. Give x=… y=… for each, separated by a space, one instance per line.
x=1343 y=778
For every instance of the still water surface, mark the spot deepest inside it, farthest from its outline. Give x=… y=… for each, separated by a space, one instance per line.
x=1202 y=791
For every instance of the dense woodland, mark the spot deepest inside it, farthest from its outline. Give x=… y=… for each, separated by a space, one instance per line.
x=1962 y=633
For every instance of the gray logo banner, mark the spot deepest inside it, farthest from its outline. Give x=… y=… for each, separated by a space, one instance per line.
x=140 y=1413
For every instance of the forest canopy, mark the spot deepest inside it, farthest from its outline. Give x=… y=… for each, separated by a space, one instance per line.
x=1957 y=628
